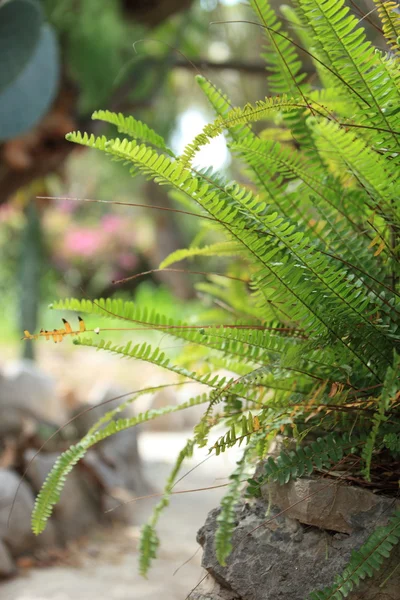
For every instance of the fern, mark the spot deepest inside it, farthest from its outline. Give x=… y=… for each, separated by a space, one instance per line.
x=321 y=454
x=392 y=442
x=281 y=57
x=235 y=118
x=311 y=302
x=390 y=389
x=133 y=128
x=148 y=539
x=52 y=487
x=218 y=249
x=353 y=58
x=388 y=13
x=155 y=356
x=227 y=519
x=249 y=425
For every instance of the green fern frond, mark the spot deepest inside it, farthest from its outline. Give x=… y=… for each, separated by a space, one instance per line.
x=148 y=538
x=251 y=344
x=390 y=388
x=391 y=441
x=226 y=519
x=351 y=154
x=148 y=546
x=321 y=454
x=91 y=141
x=222 y=106
x=364 y=562
x=295 y=16
x=236 y=133
x=112 y=308
x=248 y=425
x=281 y=57
x=52 y=487
x=390 y=17
x=352 y=57
x=263 y=109
x=217 y=249
x=133 y=127
x=144 y=351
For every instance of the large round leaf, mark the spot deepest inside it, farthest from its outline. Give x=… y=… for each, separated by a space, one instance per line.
x=20 y=27
x=24 y=103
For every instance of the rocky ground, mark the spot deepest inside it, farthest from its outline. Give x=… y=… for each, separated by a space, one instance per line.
x=103 y=564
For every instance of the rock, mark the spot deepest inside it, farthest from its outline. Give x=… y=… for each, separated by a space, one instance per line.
x=119 y=453
x=7 y=566
x=185 y=419
x=16 y=535
x=8 y=452
x=171 y=422
x=278 y=558
x=115 y=496
x=340 y=508
x=211 y=590
x=24 y=386
x=79 y=507
x=102 y=398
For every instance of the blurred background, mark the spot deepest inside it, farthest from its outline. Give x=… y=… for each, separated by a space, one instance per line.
x=52 y=249
x=59 y=61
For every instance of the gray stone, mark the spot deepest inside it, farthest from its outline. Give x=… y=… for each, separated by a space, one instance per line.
x=23 y=385
x=181 y=420
x=121 y=465
x=278 y=558
x=102 y=398
x=15 y=529
x=170 y=422
x=7 y=566
x=16 y=534
x=121 y=452
x=211 y=590
x=79 y=507
x=326 y=504
x=115 y=496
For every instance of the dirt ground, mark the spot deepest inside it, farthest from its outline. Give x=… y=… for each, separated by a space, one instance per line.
x=103 y=566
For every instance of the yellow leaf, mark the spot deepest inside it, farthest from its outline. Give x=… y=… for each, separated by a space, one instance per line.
x=380 y=248
x=374 y=241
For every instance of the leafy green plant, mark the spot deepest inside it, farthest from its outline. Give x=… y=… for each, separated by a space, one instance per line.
x=311 y=334
x=29 y=66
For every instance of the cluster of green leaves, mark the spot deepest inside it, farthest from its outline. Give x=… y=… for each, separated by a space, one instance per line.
x=94 y=61
x=311 y=334
x=29 y=66
x=321 y=454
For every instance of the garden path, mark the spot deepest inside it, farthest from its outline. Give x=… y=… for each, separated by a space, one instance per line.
x=103 y=566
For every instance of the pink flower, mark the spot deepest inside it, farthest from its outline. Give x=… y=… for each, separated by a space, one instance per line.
x=111 y=223
x=84 y=242
x=126 y=260
x=67 y=206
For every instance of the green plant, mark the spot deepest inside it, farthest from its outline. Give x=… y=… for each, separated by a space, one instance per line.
x=311 y=335
x=29 y=66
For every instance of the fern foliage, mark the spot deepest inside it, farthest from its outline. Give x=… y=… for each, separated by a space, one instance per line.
x=149 y=541
x=52 y=487
x=321 y=454
x=310 y=332
x=132 y=127
x=226 y=519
